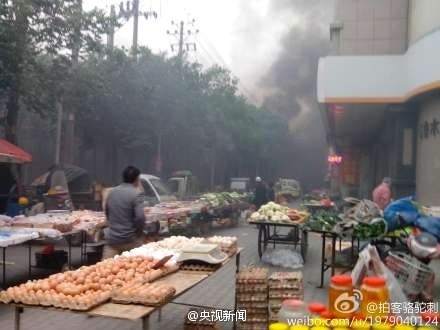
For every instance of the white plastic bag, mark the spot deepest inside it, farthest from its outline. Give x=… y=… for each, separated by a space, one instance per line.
x=283 y=258
x=370 y=264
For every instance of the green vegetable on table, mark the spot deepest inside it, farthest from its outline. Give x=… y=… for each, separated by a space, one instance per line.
x=323 y=220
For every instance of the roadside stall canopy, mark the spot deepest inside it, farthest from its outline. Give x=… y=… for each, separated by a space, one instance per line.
x=10 y=153
x=76 y=178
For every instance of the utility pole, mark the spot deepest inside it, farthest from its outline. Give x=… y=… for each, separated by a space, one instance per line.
x=111 y=32
x=182 y=24
x=130 y=10
x=135 y=28
x=183 y=37
x=69 y=134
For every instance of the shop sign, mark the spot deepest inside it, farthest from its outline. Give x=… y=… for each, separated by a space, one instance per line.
x=429 y=129
x=334 y=159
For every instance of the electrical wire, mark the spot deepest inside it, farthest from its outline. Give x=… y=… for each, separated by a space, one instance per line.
x=220 y=58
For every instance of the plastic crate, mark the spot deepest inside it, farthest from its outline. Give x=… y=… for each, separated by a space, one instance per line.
x=412 y=274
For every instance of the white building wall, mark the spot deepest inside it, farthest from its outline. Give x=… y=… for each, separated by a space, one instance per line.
x=372 y=26
x=428 y=155
x=424 y=17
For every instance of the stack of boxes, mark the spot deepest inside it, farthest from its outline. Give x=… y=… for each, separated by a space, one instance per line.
x=283 y=286
x=252 y=296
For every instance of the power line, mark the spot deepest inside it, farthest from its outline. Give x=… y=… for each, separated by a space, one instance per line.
x=218 y=55
x=220 y=59
x=182 y=36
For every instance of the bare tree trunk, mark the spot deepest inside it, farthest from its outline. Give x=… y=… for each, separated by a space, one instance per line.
x=12 y=104
x=212 y=180
x=12 y=114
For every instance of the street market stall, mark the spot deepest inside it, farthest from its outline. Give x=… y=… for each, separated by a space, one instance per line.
x=176 y=216
x=270 y=217
x=53 y=226
x=130 y=286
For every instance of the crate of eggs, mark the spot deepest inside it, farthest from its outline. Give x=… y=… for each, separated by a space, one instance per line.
x=251 y=295
x=282 y=286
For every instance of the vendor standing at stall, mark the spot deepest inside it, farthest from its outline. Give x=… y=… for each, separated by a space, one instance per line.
x=382 y=193
x=260 y=194
x=125 y=215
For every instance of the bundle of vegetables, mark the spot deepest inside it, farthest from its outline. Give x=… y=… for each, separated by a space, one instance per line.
x=323 y=220
x=222 y=199
x=271 y=212
x=375 y=229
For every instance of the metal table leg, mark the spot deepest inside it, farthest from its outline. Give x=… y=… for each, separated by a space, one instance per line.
x=333 y=269
x=69 y=256
x=159 y=314
x=145 y=323
x=322 y=260
x=261 y=239
x=84 y=248
x=237 y=269
x=30 y=259
x=17 y=313
x=237 y=262
x=4 y=267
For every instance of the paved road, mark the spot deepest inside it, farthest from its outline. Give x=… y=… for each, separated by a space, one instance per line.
x=217 y=291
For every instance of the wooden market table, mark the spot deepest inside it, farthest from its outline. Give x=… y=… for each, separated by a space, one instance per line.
x=267 y=233
x=182 y=280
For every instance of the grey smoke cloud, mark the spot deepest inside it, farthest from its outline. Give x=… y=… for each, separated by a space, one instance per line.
x=292 y=81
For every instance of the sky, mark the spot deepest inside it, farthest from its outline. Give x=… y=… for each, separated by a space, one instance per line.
x=242 y=35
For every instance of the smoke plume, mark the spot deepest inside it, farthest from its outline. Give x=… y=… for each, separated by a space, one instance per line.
x=291 y=80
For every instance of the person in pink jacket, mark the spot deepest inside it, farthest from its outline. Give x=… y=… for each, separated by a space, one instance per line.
x=382 y=193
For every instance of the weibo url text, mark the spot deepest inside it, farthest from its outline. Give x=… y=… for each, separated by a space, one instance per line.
x=368 y=321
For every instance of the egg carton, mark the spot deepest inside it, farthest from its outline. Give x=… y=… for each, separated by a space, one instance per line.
x=251 y=297
x=130 y=294
x=254 y=310
x=286 y=294
x=254 y=304
x=252 y=276
x=286 y=278
x=286 y=286
x=250 y=288
x=199 y=267
x=256 y=315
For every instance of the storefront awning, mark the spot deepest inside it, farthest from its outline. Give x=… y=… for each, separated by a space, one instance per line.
x=10 y=153
x=381 y=79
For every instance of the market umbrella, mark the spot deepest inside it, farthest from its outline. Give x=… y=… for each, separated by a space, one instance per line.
x=10 y=153
x=78 y=179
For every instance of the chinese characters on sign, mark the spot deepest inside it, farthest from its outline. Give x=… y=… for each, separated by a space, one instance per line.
x=428 y=129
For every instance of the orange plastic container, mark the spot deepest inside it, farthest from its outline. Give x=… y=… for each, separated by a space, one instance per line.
x=375 y=297
x=340 y=297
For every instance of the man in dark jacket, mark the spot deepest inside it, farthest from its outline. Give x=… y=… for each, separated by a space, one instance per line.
x=125 y=215
x=260 y=195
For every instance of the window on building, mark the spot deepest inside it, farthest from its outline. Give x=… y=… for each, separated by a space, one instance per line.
x=407 y=152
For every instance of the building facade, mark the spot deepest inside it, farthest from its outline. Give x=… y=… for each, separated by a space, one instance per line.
x=379 y=94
